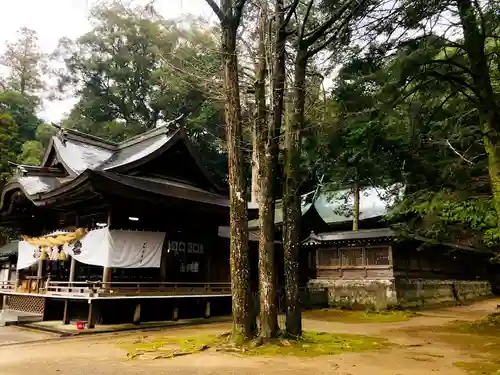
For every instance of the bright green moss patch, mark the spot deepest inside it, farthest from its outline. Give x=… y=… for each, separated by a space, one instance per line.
x=169 y=347
x=314 y=344
x=349 y=316
x=489 y=326
x=311 y=344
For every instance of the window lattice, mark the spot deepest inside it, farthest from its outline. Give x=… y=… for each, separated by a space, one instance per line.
x=377 y=256
x=352 y=257
x=328 y=257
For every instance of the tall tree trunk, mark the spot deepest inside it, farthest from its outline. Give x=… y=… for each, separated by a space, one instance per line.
x=474 y=43
x=493 y=151
x=255 y=165
x=267 y=281
x=355 y=220
x=229 y=14
x=291 y=198
x=278 y=81
x=240 y=265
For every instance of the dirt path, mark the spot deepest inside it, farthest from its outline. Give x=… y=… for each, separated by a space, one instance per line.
x=13 y=335
x=415 y=355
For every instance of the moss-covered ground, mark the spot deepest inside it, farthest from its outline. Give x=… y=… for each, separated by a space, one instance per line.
x=479 y=339
x=311 y=344
x=351 y=316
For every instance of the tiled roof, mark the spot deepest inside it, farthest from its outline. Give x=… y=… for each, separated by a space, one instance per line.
x=363 y=234
x=335 y=207
x=77 y=156
x=84 y=156
x=9 y=249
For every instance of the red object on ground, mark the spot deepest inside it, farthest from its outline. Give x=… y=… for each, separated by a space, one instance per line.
x=80 y=325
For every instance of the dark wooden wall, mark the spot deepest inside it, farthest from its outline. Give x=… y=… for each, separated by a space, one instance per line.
x=363 y=262
x=438 y=262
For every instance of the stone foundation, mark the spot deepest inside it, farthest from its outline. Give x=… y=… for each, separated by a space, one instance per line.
x=421 y=292
x=383 y=294
x=379 y=294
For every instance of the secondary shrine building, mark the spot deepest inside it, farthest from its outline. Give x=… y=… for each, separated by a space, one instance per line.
x=115 y=232
x=374 y=266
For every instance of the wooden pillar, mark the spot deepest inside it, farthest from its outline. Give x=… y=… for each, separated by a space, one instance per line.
x=391 y=260
x=106 y=273
x=175 y=314
x=106 y=277
x=39 y=272
x=72 y=266
x=137 y=314
x=207 y=309
x=72 y=270
x=66 y=312
x=18 y=282
x=163 y=263
x=209 y=267
x=91 y=317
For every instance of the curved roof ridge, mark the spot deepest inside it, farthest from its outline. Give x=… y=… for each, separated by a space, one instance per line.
x=163 y=130
x=93 y=140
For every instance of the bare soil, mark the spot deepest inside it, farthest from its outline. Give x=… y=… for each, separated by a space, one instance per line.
x=416 y=352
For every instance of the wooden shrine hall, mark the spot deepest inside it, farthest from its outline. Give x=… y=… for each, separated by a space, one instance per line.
x=123 y=195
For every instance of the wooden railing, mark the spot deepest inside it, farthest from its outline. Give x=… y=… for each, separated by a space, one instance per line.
x=8 y=285
x=99 y=288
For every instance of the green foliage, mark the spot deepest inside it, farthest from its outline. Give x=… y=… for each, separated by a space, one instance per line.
x=356 y=144
x=8 y=133
x=25 y=64
x=446 y=216
x=134 y=71
x=23 y=110
x=44 y=133
x=407 y=111
x=32 y=153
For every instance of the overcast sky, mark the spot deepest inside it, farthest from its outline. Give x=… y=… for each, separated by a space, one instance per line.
x=53 y=19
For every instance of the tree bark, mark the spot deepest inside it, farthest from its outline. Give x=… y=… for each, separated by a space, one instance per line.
x=267 y=154
x=355 y=220
x=229 y=14
x=255 y=165
x=474 y=44
x=291 y=198
x=240 y=278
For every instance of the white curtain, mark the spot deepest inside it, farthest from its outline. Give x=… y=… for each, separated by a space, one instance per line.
x=26 y=255
x=107 y=248
x=92 y=249
x=132 y=249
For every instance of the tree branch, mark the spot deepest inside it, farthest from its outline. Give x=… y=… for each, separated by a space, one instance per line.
x=304 y=21
x=457 y=80
x=482 y=19
x=458 y=153
x=239 y=10
x=321 y=30
x=451 y=63
x=337 y=32
x=217 y=10
x=291 y=11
